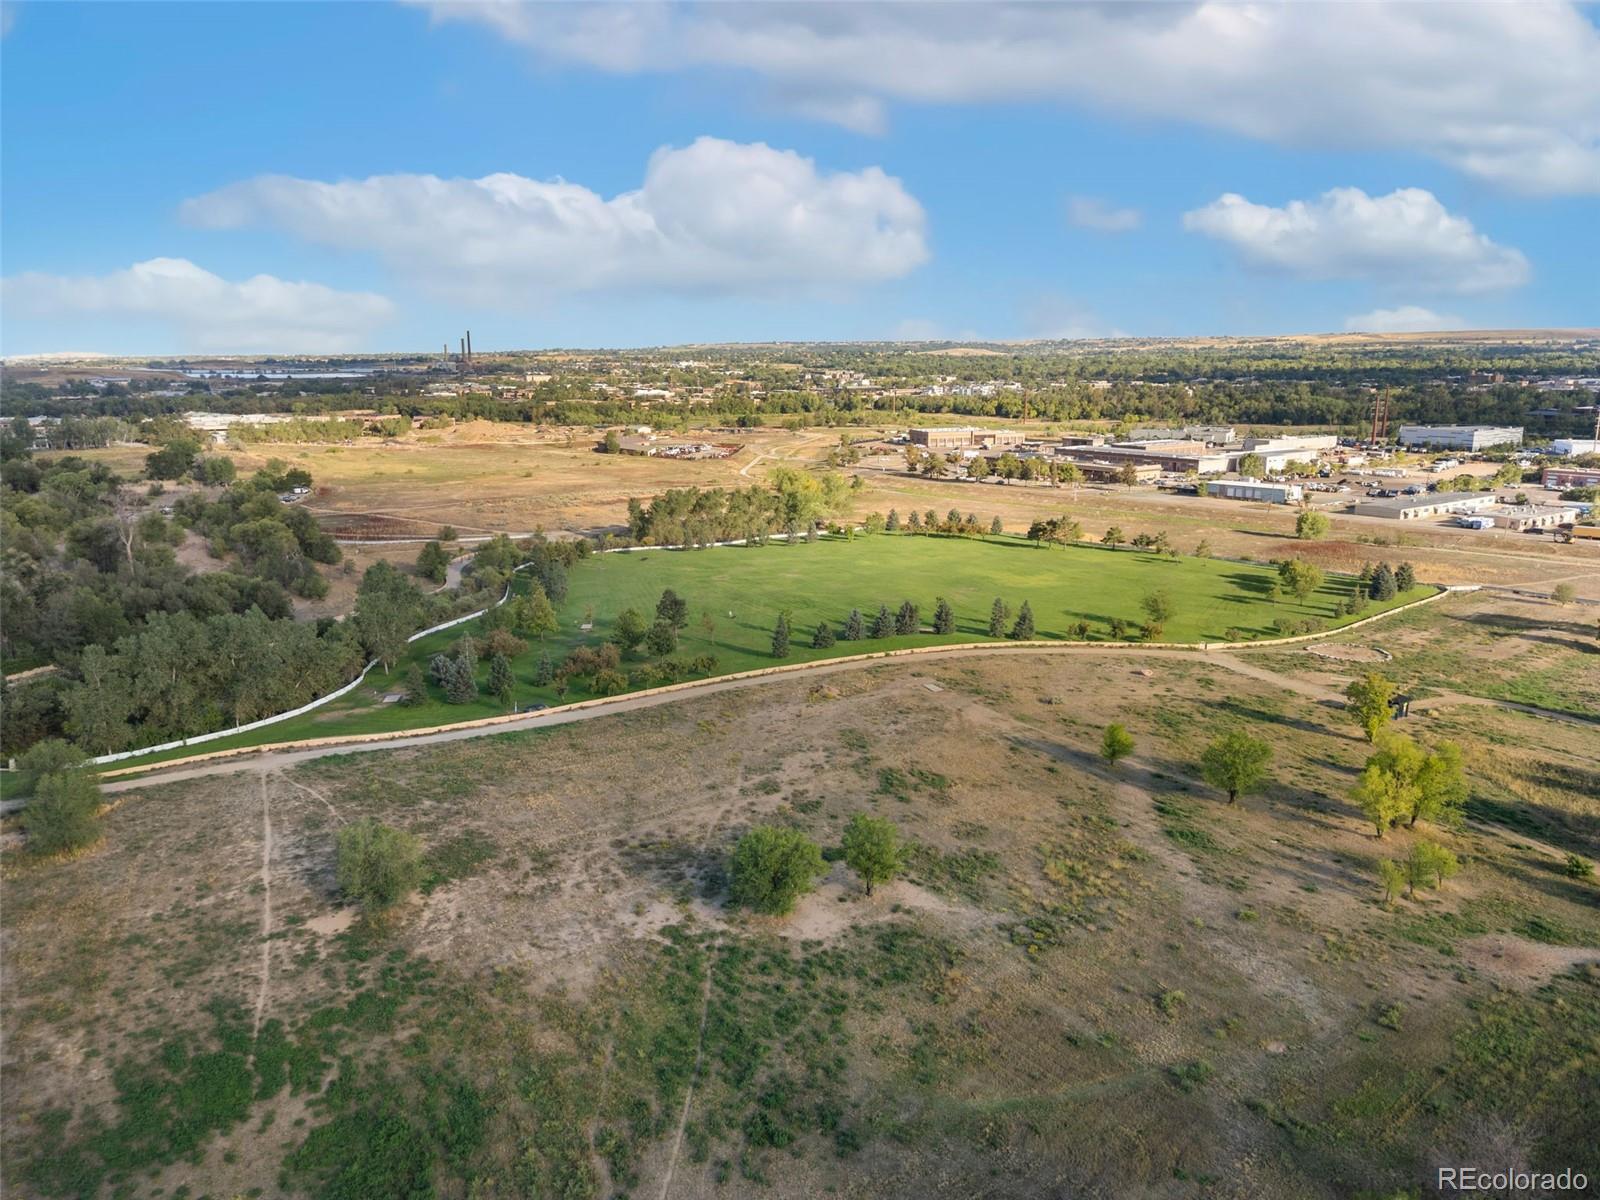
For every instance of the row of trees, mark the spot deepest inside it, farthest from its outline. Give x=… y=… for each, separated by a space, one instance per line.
x=790 y=502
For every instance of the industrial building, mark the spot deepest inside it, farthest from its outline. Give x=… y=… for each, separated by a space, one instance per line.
x=1179 y=457
x=1210 y=435
x=1251 y=489
x=1571 y=477
x=1459 y=437
x=956 y=437
x=1417 y=508
x=1521 y=517
x=1567 y=447
x=1110 y=472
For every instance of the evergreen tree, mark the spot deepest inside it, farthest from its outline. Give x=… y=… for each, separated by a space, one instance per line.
x=1383 y=583
x=854 y=628
x=996 y=528
x=460 y=683
x=414 y=691
x=780 y=637
x=944 y=617
x=998 y=612
x=1405 y=577
x=502 y=683
x=673 y=609
x=1023 y=629
x=931 y=520
x=545 y=671
x=883 y=623
x=823 y=637
x=893 y=523
x=915 y=520
x=906 y=620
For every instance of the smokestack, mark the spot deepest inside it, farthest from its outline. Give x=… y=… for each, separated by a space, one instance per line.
x=463 y=354
x=469 y=345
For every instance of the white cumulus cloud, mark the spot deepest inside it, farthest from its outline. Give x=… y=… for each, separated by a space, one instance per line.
x=714 y=216
x=1504 y=92
x=1090 y=212
x=1407 y=318
x=210 y=313
x=1404 y=238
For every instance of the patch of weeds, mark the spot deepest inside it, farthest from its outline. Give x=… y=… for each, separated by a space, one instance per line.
x=960 y=873
x=1186 y=1077
x=456 y=859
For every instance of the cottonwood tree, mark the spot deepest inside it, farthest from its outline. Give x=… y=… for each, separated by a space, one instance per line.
x=1370 y=703
x=433 y=562
x=388 y=609
x=1429 y=865
x=872 y=849
x=1157 y=606
x=1311 y=525
x=1116 y=744
x=1235 y=763
x=378 y=865
x=1392 y=876
x=772 y=868
x=1300 y=577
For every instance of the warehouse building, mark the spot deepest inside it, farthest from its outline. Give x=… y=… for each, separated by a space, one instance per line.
x=1522 y=517
x=1567 y=447
x=1571 y=477
x=1418 y=508
x=1459 y=437
x=957 y=437
x=1210 y=435
x=1251 y=489
x=1178 y=457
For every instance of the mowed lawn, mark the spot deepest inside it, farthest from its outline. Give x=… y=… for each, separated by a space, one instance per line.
x=735 y=594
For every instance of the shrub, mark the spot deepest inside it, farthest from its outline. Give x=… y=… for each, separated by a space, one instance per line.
x=378 y=864
x=772 y=868
x=1116 y=744
x=64 y=813
x=1577 y=867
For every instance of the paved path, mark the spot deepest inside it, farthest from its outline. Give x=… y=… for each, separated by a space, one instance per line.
x=277 y=760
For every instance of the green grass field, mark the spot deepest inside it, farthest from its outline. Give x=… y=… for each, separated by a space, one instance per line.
x=741 y=590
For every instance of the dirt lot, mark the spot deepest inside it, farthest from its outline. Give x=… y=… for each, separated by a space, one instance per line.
x=1089 y=982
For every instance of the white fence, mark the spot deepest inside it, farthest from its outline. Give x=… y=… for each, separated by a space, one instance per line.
x=200 y=738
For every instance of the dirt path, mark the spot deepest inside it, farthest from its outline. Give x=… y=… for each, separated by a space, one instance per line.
x=266 y=904
x=688 y=1095
x=279 y=760
x=311 y=791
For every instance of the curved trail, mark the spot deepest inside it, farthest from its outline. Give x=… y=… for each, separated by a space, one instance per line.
x=279 y=760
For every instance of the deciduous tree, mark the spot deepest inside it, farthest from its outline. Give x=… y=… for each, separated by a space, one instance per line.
x=1235 y=762
x=378 y=865
x=872 y=849
x=1116 y=744
x=772 y=868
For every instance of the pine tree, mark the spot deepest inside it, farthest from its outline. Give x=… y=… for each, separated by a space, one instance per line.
x=1023 y=629
x=823 y=638
x=545 y=671
x=1405 y=577
x=415 y=690
x=893 y=523
x=502 y=683
x=996 y=528
x=460 y=685
x=780 y=637
x=915 y=520
x=906 y=620
x=931 y=520
x=998 y=612
x=854 y=628
x=883 y=623
x=944 y=617
x=1383 y=583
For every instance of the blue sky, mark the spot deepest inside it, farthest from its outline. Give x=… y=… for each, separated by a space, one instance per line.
x=318 y=177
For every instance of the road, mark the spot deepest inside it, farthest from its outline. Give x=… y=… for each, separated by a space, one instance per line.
x=277 y=760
